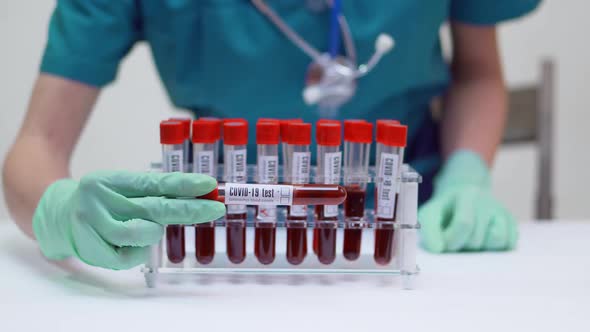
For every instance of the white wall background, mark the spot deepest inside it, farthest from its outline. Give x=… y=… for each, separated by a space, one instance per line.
x=122 y=132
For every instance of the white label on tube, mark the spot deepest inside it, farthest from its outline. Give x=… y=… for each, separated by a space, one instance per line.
x=301 y=166
x=330 y=210
x=173 y=161
x=267 y=212
x=332 y=162
x=332 y=166
x=298 y=211
x=237 y=209
x=258 y=194
x=238 y=166
x=387 y=186
x=204 y=163
x=268 y=170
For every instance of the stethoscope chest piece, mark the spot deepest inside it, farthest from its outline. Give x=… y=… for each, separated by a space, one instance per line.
x=330 y=83
x=330 y=79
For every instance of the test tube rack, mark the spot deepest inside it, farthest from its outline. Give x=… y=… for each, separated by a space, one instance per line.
x=403 y=264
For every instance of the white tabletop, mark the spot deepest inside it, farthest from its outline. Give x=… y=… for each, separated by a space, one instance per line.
x=542 y=286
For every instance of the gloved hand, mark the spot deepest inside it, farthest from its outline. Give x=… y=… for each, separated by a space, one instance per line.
x=463 y=214
x=109 y=219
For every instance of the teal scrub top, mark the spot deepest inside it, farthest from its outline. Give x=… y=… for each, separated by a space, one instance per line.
x=223 y=58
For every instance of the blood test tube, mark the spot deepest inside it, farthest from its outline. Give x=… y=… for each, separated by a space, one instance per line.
x=188 y=145
x=299 y=138
x=391 y=141
x=315 y=230
x=278 y=194
x=379 y=134
x=358 y=135
x=267 y=141
x=205 y=138
x=235 y=139
x=329 y=161
x=172 y=138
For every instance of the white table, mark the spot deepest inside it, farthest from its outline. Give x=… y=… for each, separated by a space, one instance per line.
x=542 y=286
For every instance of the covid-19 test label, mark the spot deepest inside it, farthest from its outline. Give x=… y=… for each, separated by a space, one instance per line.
x=173 y=161
x=204 y=163
x=387 y=187
x=258 y=194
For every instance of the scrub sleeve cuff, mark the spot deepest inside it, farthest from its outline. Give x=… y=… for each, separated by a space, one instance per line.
x=87 y=72
x=490 y=12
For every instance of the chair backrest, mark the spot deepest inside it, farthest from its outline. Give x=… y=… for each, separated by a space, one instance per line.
x=530 y=120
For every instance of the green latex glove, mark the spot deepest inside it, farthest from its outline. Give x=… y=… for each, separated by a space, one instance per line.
x=462 y=214
x=109 y=219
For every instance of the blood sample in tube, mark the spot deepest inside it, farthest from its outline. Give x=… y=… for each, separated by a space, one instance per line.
x=175 y=243
x=265 y=242
x=384 y=242
x=354 y=206
x=205 y=137
x=299 y=138
x=329 y=161
x=205 y=242
x=326 y=242
x=173 y=137
x=267 y=142
x=235 y=139
x=391 y=141
x=236 y=241
x=278 y=194
x=296 y=243
x=358 y=135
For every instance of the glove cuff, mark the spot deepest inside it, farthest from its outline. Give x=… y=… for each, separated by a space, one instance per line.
x=49 y=221
x=463 y=167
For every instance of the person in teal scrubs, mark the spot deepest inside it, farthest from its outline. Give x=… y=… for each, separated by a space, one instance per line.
x=224 y=58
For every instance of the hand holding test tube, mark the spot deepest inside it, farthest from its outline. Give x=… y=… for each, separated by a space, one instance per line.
x=111 y=218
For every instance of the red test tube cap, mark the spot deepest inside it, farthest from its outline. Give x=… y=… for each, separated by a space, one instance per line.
x=235 y=120
x=172 y=132
x=268 y=132
x=392 y=134
x=268 y=120
x=381 y=125
x=386 y=121
x=218 y=122
x=284 y=128
x=299 y=133
x=235 y=133
x=358 y=131
x=186 y=125
x=328 y=133
x=327 y=121
x=206 y=131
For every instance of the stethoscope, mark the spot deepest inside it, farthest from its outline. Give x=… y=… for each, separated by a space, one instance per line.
x=331 y=78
